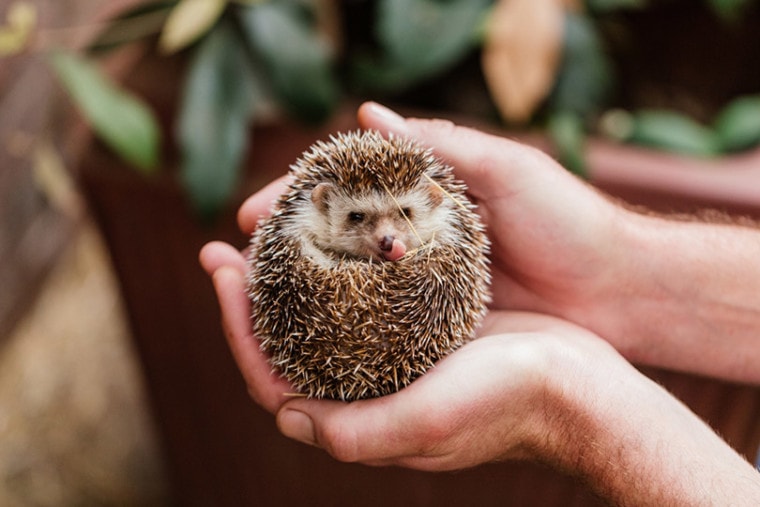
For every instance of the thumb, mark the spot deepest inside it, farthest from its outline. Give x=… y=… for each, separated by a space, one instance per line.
x=372 y=432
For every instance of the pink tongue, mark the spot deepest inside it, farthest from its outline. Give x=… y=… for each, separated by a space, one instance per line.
x=398 y=249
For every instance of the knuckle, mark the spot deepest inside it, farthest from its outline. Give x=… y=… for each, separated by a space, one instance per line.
x=339 y=442
x=435 y=433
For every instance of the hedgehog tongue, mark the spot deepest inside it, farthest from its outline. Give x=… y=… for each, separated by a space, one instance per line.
x=398 y=249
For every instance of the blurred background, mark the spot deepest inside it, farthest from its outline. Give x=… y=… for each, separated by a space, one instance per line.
x=131 y=130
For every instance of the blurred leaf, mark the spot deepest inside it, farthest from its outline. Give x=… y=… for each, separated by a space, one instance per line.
x=521 y=54
x=20 y=20
x=297 y=59
x=214 y=118
x=131 y=25
x=419 y=39
x=616 y=124
x=729 y=9
x=188 y=21
x=585 y=77
x=123 y=121
x=427 y=34
x=329 y=23
x=569 y=136
x=603 y=6
x=674 y=132
x=737 y=126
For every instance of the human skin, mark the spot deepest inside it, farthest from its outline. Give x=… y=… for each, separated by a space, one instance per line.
x=541 y=387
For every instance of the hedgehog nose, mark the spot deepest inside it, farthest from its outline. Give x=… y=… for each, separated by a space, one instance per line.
x=386 y=244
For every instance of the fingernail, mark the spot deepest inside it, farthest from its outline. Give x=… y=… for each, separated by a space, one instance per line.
x=392 y=119
x=297 y=425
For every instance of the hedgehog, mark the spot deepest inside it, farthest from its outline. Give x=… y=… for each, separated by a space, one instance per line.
x=372 y=267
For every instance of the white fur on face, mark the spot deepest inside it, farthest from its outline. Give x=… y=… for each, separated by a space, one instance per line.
x=355 y=226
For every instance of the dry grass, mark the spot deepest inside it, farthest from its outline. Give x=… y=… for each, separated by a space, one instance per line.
x=73 y=425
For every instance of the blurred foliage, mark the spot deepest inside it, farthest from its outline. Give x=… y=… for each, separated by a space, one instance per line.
x=418 y=39
x=294 y=55
x=736 y=127
x=545 y=63
x=729 y=9
x=123 y=121
x=20 y=20
x=213 y=121
x=252 y=56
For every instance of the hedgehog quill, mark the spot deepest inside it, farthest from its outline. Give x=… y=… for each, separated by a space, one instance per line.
x=372 y=267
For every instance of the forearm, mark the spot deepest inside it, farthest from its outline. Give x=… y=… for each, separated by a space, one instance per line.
x=634 y=444
x=688 y=297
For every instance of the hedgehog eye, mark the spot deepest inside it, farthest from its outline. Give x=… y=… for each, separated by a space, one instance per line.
x=406 y=212
x=356 y=217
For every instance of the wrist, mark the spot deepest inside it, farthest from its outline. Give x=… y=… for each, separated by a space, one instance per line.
x=601 y=303
x=633 y=443
x=576 y=396
x=676 y=291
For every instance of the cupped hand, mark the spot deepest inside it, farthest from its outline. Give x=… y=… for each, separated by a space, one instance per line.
x=486 y=401
x=493 y=399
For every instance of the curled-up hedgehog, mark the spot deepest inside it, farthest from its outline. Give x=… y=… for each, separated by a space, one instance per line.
x=372 y=267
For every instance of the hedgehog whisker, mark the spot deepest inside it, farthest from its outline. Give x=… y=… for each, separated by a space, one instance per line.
x=432 y=241
x=429 y=246
x=448 y=194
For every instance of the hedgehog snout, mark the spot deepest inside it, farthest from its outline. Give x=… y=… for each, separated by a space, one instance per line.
x=386 y=243
x=392 y=248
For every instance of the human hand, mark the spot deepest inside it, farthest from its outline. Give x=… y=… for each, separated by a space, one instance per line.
x=553 y=236
x=496 y=398
x=486 y=401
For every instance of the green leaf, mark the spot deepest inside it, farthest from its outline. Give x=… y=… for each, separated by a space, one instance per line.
x=569 y=136
x=427 y=35
x=131 y=25
x=214 y=118
x=737 y=126
x=585 y=77
x=297 y=60
x=729 y=10
x=603 y=6
x=674 y=132
x=119 y=118
x=420 y=39
x=188 y=21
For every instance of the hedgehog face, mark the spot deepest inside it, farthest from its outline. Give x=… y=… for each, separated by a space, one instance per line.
x=376 y=225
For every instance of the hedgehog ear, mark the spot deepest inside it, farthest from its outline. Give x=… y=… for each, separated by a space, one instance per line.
x=320 y=196
x=436 y=195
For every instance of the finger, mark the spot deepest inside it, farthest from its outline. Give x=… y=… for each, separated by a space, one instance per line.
x=372 y=115
x=447 y=419
x=490 y=165
x=216 y=254
x=370 y=432
x=413 y=427
x=266 y=388
x=260 y=204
